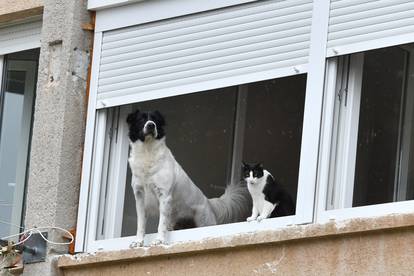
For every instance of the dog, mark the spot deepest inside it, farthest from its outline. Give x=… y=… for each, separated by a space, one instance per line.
x=162 y=187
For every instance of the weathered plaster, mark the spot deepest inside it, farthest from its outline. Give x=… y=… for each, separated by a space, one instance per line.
x=361 y=246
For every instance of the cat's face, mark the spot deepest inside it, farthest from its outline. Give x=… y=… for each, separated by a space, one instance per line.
x=252 y=172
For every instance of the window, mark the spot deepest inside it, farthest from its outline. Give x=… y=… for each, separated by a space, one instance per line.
x=223 y=59
x=16 y=110
x=371 y=101
x=214 y=131
x=209 y=133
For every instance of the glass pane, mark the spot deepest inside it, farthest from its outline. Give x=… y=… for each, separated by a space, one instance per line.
x=211 y=132
x=15 y=125
x=200 y=135
x=381 y=127
x=273 y=130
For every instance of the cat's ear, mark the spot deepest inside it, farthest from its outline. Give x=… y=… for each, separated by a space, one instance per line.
x=244 y=164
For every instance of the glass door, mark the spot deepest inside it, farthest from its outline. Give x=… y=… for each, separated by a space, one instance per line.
x=16 y=106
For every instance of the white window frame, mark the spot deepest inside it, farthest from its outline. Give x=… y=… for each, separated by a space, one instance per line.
x=88 y=212
x=115 y=193
x=338 y=154
x=114 y=14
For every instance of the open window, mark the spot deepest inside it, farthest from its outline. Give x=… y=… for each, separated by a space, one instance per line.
x=209 y=133
x=367 y=160
x=232 y=83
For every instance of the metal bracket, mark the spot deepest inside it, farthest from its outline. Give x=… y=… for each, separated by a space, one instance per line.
x=34 y=250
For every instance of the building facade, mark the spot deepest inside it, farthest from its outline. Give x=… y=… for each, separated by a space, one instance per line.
x=321 y=92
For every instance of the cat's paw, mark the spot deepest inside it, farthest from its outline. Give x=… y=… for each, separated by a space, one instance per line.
x=137 y=243
x=251 y=218
x=260 y=218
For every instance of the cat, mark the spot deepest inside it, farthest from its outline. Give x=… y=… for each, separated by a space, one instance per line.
x=270 y=199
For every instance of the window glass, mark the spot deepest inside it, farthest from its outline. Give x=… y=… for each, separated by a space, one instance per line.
x=210 y=133
x=17 y=97
x=383 y=93
x=380 y=126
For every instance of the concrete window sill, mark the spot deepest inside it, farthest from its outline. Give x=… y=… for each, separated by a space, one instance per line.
x=291 y=233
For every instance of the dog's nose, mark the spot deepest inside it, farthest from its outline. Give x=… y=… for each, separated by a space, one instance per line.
x=150 y=126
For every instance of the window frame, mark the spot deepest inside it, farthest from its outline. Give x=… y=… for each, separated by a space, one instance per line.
x=21 y=36
x=114 y=201
x=341 y=205
x=90 y=187
x=17 y=215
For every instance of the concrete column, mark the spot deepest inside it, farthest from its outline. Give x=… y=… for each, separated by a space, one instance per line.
x=59 y=123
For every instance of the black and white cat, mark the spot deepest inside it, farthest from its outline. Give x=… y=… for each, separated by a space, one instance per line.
x=269 y=198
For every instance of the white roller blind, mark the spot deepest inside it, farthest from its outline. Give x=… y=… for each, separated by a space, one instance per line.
x=359 y=25
x=20 y=37
x=196 y=52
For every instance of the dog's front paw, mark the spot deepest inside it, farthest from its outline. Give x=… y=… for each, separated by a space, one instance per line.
x=251 y=218
x=158 y=241
x=137 y=243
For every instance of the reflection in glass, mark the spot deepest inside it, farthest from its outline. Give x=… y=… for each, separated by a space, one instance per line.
x=16 y=104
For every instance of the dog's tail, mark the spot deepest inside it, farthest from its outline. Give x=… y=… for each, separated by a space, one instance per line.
x=234 y=205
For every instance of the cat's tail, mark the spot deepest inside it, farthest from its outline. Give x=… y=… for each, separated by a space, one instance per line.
x=234 y=205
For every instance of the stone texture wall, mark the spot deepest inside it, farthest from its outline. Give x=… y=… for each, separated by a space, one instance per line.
x=59 y=122
x=363 y=246
x=388 y=252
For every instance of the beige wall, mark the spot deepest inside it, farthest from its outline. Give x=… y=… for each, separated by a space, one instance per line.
x=372 y=253
x=11 y=10
x=374 y=246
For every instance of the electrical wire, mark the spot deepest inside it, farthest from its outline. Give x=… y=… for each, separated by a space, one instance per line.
x=31 y=231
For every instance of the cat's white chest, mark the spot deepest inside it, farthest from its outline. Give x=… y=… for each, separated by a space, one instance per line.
x=256 y=191
x=261 y=207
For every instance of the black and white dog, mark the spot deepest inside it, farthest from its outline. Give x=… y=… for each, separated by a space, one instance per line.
x=163 y=188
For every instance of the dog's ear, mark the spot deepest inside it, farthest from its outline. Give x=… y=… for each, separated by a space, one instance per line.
x=132 y=116
x=160 y=118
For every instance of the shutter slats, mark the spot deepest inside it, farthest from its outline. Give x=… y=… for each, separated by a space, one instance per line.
x=20 y=37
x=277 y=8
x=194 y=39
x=366 y=7
x=264 y=35
x=368 y=24
x=120 y=81
x=372 y=20
x=121 y=65
x=347 y=3
x=254 y=22
x=370 y=13
x=241 y=70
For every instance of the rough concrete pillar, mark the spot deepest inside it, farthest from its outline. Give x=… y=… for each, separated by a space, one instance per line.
x=59 y=122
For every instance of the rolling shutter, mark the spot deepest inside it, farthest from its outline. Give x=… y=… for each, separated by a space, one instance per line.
x=170 y=56
x=20 y=37
x=359 y=25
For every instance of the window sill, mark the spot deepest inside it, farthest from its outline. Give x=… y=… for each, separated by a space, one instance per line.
x=297 y=232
